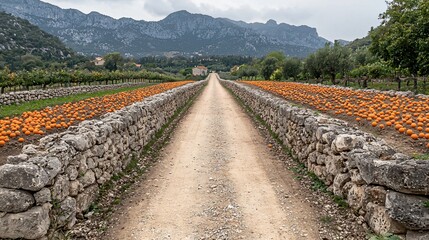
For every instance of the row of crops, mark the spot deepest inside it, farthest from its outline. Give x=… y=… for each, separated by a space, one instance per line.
x=45 y=78
x=408 y=116
x=37 y=123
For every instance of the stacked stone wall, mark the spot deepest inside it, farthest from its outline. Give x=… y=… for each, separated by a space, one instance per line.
x=26 y=96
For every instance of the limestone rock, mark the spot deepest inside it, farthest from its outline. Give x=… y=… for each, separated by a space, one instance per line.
x=51 y=165
x=32 y=224
x=355 y=197
x=14 y=201
x=66 y=212
x=334 y=165
x=339 y=181
x=380 y=222
x=409 y=210
x=356 y=177
x=375 y=194
x=347 y=142
x=75 y=188
x=61 y=188
x=84 y=199
x=403 y=176
x=72 y=172
x=79 y=142
x=25 y=176
x=30 y=149
x=411 y=235
x=88 y=178
x=43 y=196
x=17 y=159
x=379 y=148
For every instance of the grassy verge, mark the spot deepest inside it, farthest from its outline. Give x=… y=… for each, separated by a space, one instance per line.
x=15 y=110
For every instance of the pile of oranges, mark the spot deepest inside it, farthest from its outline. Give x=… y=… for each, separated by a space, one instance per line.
x=37 y=123
x=407 y=115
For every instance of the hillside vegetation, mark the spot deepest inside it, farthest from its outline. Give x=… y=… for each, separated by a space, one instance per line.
x=23 y=45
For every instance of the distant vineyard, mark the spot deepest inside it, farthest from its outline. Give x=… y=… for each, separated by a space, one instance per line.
x=44 y=78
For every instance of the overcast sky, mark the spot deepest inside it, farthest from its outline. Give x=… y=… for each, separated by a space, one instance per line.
x=334 y=19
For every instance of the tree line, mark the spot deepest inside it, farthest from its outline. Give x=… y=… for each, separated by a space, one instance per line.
x=45 y=78
x=397 y=49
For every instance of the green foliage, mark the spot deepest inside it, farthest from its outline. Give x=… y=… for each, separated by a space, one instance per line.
x=182 y=65
x=277 y=75
x=44 y=77
x=387 y=236
x=246 y=71
x=362 y=56
x=360 y=43
x=326 y=219
x=401 y=39
x=269 y=65
x=112 y=61
x=329 y=61
x=280 y=56
x=28 y=47
x=426 y=204
x=340 y=201
x=378 y=69
x=318 y=184
x=291 y=68
x=313 y=66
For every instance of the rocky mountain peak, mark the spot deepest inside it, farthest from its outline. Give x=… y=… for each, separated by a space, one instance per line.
x=271 y=22
x=183 y=32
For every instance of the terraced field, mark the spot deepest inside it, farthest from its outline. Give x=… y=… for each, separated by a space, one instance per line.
x=30 y=126
x=403 y=116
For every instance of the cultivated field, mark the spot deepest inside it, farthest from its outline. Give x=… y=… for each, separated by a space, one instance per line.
x=398 y=115
x=15 y=131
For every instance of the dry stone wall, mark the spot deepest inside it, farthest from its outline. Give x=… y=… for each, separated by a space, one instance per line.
x=47 y=185
x=26 y=96
x=388 y=189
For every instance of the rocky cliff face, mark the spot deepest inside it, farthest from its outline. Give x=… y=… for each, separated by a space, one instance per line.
x=285 y=33
x=95 y=34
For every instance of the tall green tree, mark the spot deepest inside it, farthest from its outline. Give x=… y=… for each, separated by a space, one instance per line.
x=313 y=66
x=362 y=56
x=112 y=61
x=334 y=60
x=423 y=42
x=400 y=37
x=280 y=56
x=291 y=68
x=269 y=65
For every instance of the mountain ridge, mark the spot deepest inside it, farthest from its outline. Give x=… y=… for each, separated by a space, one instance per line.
x=183 y=32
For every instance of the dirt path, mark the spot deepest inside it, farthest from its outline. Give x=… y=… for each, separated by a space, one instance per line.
x=216 y=180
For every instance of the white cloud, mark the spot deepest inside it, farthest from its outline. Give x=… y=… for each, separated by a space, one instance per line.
x=334 y=19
